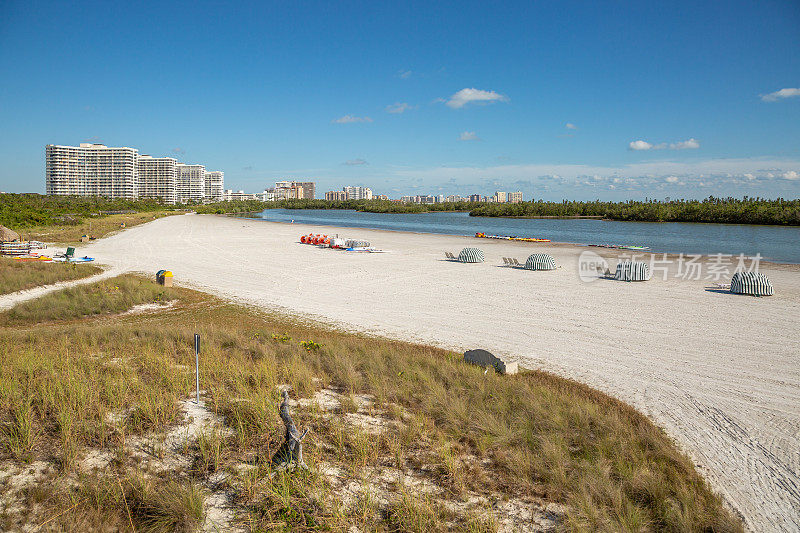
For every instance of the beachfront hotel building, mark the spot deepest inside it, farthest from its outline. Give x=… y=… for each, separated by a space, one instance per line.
x=190 y=183
x=214 y=181
x=157 y=178
x=91 y=169
x=515 y=197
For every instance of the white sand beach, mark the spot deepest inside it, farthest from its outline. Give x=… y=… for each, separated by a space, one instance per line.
x=718 y=372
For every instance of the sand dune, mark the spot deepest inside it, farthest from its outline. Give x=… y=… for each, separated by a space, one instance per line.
x=718 y=372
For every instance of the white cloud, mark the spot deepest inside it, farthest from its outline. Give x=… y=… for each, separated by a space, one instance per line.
x=399 y=107
x=178 y=151
x=350 y=119
x=355 y=162
x=570 y=126
x=690 y=144
x=467 y=96
x=788 y=92
x=469 y=136
x=721 y=174
x=639 y=145
x=791 y=175
x=404 y=74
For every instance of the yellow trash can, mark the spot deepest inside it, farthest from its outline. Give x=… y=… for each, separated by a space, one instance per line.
x=164 y=277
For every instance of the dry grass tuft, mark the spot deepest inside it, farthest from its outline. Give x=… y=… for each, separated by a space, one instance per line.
x=22 y=275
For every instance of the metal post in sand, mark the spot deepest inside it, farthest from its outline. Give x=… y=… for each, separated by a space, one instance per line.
x=197 y=365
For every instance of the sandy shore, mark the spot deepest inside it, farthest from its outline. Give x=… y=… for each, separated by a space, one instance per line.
x=718 y=372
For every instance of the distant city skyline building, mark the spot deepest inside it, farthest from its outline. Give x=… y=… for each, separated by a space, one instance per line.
x=515 y=197
x=358 y=193
x=336 y=196
x=91 y=169
x=500 y=197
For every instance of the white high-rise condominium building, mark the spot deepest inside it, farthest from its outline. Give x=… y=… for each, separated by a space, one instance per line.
x=91 y=170
x=515 y=197
x=157 y=178
x=358 y=193
x=190 y=183
x=500 y=197
x=214 y=185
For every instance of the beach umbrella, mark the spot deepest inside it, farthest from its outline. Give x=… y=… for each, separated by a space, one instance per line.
x=752 y=283
x=471 y=255
x=632 y=271
x=540 y=262
x=7 y=235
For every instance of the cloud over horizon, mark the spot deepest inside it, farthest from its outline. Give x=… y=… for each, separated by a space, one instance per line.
x=570 y=126
x=468 y=96
x=399 y=107
x=711 y=176
x=689 y=144
x=350 y=119
x=782 y=94
x=469 y=136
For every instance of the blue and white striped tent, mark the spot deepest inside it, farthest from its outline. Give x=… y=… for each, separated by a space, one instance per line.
x=632 y=271
x=540 y=262
x=471 y=255
x=753 y=283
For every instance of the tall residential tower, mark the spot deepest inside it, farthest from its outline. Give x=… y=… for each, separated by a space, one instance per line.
x=91 y=170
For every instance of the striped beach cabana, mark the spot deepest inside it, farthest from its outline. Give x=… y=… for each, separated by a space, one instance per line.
x=471 y=255
x=632 y=271
x=540 y=262
x=752 y=283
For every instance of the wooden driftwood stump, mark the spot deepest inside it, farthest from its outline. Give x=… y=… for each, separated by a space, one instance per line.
x=292 y=448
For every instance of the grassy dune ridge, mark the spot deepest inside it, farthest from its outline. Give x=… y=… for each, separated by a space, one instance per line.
x=21 y=275
x=95 y=227
x=104 y=297
x=533 y=435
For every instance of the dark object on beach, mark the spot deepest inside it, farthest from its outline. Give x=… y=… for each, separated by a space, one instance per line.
x=486 y=359
x=292 y=447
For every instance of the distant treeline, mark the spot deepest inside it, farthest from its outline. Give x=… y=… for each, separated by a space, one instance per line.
x=370 y=206
x=714 y=210
x=711 y=210
x=30 y=209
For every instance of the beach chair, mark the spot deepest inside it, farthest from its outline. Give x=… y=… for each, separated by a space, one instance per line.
x=70 y=254
x=450 y=256
x=516 y=263
x=505 y=261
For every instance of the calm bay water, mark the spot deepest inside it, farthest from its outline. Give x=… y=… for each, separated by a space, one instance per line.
x=774 y=243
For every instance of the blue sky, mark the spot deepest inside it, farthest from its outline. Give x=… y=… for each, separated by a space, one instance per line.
x=560 y=100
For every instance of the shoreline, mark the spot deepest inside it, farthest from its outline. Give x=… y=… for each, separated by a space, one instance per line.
x=597 y=249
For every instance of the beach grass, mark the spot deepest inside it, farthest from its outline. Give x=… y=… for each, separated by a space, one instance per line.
x=102 y=298
x=21 y=275
x=531 y=436
x=93 y=227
